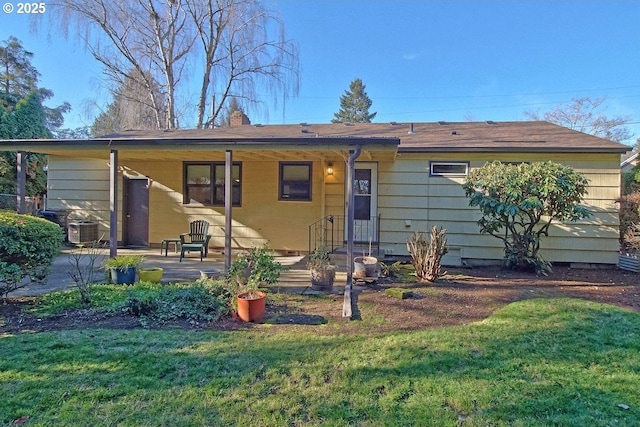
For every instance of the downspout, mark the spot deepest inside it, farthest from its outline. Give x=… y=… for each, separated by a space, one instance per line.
x=348 y=305
x=228 y=207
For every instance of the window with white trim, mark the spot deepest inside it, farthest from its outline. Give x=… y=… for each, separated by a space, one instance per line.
x=449 y=168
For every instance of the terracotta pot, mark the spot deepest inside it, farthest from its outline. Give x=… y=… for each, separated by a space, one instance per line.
x=151 y=274
x=251 y=305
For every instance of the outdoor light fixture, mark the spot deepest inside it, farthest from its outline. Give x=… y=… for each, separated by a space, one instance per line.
x=329 y=168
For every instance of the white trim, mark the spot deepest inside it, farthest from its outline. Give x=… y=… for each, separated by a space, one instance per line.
x=465 y=164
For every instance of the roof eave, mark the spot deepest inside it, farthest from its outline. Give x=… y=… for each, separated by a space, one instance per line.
x=226 y=143
x=546 y=149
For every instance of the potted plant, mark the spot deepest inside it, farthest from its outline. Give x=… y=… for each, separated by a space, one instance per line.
x=150 y=274
x=250 y=271
x=323 y=272
x=123 y=268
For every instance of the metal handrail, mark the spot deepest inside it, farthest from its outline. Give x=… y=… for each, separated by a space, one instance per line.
x=329 y=232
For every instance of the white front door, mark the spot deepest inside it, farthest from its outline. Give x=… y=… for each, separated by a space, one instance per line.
x=365 y=190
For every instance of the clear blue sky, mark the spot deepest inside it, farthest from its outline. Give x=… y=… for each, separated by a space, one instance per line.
x=420 y=60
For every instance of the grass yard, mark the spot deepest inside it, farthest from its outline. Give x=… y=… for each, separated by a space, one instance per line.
x=536 y=362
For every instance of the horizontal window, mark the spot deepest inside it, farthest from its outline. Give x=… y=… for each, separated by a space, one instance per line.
x=204 y=182
x=449 y=168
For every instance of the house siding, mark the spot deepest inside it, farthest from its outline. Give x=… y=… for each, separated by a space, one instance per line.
x=408 y=193
x=409 y=200
x=82 y=186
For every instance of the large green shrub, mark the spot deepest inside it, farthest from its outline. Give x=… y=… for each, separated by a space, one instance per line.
x=519 y=202
x=27 y=248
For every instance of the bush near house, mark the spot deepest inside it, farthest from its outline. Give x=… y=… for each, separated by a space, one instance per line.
x=27 y=248
x=630 y=210
x=427 y=252
x=519 y=202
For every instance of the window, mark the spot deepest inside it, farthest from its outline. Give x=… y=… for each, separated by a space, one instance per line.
x=295 y=181
x=204 y=183
x=449 y=168
x=362 y=194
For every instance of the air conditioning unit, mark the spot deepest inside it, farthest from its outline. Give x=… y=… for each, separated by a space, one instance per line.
x=83 y=232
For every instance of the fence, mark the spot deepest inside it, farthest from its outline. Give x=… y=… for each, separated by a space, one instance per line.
x=10 y=202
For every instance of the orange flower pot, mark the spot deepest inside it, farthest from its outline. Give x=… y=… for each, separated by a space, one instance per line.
x=251 y=305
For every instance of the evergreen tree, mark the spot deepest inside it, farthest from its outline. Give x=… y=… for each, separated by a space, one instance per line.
x=354 y=105
x=19 y=79
x=26 y=121
x=23 y=115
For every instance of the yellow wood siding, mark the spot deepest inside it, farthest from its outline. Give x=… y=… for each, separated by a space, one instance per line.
x=262 y=218
x=408 y=193
x=82 y=186
x=408 y=200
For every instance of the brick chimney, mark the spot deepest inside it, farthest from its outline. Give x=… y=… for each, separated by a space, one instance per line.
x=238 y=118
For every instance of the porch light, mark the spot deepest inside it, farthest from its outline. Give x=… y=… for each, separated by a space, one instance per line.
x=329 y=168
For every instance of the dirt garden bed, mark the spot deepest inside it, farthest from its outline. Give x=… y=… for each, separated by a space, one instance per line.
x=460 y=297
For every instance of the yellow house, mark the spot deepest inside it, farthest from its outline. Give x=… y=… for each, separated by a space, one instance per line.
x=288 y=184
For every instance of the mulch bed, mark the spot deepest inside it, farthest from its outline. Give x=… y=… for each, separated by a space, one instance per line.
x=460 y=297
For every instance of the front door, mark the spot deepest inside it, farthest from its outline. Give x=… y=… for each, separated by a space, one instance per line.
x=135 y=212
x=365 y=190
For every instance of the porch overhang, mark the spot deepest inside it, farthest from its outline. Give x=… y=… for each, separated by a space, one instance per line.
x=189 y=149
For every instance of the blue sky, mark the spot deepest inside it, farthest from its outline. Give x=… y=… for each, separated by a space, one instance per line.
x=420 y=60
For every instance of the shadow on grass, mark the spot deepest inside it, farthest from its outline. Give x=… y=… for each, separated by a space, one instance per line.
x=295 y=319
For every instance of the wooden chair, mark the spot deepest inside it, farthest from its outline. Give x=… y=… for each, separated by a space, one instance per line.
x=197 y=239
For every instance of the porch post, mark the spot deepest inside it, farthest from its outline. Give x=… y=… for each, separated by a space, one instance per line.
x=228 y=204
x=113 y=203
x=348 y=306
x=21 y=182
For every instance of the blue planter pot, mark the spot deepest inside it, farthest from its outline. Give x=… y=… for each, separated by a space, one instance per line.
x=126 y=277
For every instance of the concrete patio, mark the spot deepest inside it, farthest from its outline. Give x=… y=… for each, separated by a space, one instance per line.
x=295 y=279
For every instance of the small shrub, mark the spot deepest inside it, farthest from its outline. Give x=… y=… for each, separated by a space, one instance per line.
x=82 y=262
x=632 y=237
x=28 y=246
x=629 y=215
x=123 y=262
x=319 y=258
x=426 y=253
x=391 y=270
x=197 y=302
x=254 y=268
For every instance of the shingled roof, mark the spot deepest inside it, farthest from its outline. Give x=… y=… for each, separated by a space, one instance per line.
x=414 y=137
x=525 y=136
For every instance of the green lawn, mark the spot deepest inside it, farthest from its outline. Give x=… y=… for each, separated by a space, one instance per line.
x=559 y=362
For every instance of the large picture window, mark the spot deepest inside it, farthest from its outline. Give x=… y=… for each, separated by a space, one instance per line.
x=204 y=183
x=295 y=181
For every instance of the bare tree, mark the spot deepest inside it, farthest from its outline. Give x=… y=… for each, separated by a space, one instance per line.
x=244 y=50
x=583 y=115
x=151 y=38
x=238 y=44
x=131 y=108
